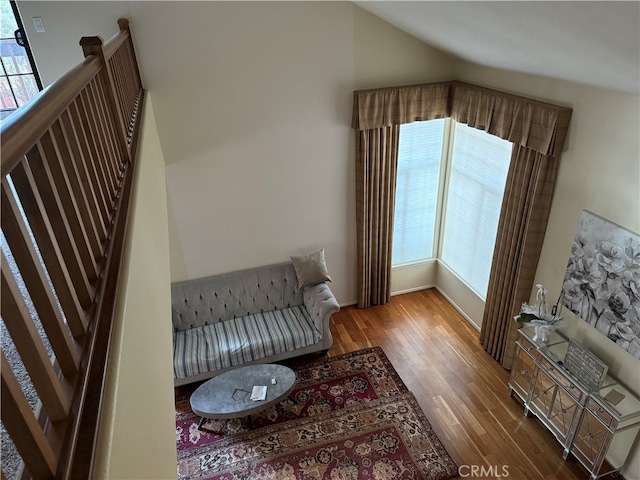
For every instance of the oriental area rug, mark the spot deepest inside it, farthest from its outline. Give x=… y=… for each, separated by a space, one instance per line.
x=349 y=417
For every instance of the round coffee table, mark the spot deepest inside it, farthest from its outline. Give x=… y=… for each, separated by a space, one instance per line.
x=228 y=395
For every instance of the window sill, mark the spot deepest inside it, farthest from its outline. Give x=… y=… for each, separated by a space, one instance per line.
x=403 y=266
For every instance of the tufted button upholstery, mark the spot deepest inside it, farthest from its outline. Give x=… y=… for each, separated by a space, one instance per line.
x=227 y=296
x=251 y=297
x=320 y=303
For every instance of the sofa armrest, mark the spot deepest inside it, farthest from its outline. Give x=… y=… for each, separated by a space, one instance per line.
x=321 y=304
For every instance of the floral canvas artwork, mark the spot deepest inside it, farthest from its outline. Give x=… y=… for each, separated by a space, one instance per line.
x=602 y=281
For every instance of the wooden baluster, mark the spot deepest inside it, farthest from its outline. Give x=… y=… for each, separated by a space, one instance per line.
x=24 y=334
x=129 y=90
x=56 y=164
x=94 y=46
x=132 y=83
x=117 y=155
x=126 y=57
x=110 y=158
x=25 y=432
x=34 y=210
x=75 y=142
x=123 y=23
x=78 y=117
x=70 y=163
x=100 y=156
x=119 y=86
x=75 y=257
x=32 y=271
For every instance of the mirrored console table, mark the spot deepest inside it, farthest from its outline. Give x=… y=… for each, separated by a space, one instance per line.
x=597 y=426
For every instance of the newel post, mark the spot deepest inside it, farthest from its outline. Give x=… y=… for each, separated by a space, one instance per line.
x=95 y=46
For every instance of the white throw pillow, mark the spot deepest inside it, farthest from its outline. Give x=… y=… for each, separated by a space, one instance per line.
x=310 y=269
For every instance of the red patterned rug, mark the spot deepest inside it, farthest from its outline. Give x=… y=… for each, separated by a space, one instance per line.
x=352 y=418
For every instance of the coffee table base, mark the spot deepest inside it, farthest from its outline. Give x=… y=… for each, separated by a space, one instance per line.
x=248 y=418
x=220 y=432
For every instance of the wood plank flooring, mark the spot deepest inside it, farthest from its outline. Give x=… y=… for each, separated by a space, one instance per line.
x=461 y=389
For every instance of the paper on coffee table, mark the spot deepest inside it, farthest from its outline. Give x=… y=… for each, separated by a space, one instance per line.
x=259 y=393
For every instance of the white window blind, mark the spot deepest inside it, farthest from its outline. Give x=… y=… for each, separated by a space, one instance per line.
x=418 y=178
x=477 y=176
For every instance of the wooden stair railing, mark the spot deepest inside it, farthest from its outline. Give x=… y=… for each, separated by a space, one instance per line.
x=67 y=163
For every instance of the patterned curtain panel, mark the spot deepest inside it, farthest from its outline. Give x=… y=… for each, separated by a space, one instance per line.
x=523 y=222
x=376 y=165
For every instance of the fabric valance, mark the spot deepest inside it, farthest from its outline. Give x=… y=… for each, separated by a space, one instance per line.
x=385 y=107
x=539 y=126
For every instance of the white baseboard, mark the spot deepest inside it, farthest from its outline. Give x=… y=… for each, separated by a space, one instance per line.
x=411 y=290
x=467 y=318
x=393 y=294
x=347 y=304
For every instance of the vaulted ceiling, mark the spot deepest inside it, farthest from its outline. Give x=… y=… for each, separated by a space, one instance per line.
x=590 y=42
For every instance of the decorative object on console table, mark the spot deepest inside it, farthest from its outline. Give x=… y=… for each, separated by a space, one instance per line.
x=539 y=316
x=584 y=365
x=598 y=427
x=602 y=280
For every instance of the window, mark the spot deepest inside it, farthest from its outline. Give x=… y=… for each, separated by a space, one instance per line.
x=477 y=176
x=19 y=81
x=458 y=227
x=418 y=180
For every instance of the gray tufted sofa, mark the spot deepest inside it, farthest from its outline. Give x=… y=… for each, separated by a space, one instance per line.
x=250 y=316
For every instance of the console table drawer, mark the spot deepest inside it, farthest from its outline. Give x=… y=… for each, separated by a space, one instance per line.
x=599 y=412
x=561 y=379
x=528 y=347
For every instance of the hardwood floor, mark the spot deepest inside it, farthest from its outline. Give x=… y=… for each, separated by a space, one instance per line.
x=461 y=389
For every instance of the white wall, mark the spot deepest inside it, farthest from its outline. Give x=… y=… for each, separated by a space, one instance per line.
x=57 y=50
x=253 y=102
x=385 y=56
x=600 y=172
x=254 y=115
x=137 y=427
